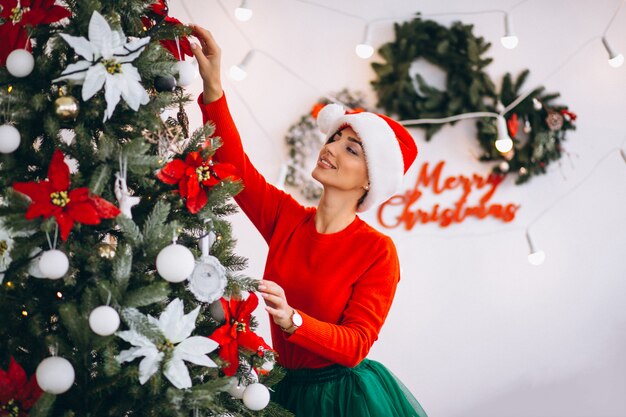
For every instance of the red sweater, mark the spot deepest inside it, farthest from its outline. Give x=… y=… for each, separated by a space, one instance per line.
x=342 y=284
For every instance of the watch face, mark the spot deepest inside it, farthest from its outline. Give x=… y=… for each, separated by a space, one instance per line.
x=297 y=319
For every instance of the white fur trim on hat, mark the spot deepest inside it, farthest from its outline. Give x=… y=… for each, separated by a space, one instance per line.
x=385 y=164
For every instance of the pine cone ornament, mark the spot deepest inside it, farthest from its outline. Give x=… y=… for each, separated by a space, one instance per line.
x=554 y=120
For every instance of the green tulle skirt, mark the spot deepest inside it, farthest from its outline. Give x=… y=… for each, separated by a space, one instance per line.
x=367 y=390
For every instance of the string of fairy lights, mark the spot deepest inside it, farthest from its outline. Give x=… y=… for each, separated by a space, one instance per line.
x=365 y=50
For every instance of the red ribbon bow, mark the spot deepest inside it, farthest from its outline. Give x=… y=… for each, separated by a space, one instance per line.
x=236 y=332
x=53 y=197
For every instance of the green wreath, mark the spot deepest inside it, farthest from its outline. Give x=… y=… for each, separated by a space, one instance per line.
x=537 y=126
x=469 y=89
x=455 y=50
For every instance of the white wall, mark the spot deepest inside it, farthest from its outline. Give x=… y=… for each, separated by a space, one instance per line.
x=475 y=330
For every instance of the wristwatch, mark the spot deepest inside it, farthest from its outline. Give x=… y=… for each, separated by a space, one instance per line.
x=296 y=321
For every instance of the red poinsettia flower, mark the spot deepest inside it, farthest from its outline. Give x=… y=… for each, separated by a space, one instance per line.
x=19 y=15
x=571 y=115
x=53 y=197
x=161 y=9
x=195 y=177
x=513 y=125
x=17 y=393
x=236 y=332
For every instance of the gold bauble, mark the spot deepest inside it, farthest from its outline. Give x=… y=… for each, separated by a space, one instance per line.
x=66 y=107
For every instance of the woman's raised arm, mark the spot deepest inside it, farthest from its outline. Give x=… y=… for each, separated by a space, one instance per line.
x=209 y=57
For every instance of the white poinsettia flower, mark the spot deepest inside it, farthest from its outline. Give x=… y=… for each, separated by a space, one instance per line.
x=107 y=62
x=176 y=327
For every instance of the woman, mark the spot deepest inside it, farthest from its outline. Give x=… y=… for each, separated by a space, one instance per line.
x=330 y=278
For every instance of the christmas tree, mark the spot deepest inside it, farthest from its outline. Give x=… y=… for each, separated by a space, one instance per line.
x=120 y=293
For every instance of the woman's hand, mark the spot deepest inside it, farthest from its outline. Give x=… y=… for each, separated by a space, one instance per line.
x=276 y=304
x=209 y=55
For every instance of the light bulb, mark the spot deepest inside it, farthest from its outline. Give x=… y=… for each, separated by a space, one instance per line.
x=615 y=59
x=504 y=143
x=243 y=13
x=537 y=258
x=509 y=40
x=237 y=73
x=364 y=50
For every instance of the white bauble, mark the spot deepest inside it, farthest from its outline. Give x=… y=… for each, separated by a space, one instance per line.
x=256 y=397
x=175 y=263
x=236 y=389
x=104 y=320
x=55 y=375
x=9 y=139
x=53 y=264
x=20 y=63
x=33 y=266
x=187 y=72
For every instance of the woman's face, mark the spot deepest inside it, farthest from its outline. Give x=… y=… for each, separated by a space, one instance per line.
x=341 y=163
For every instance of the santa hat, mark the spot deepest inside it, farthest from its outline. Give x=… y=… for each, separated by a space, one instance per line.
x=388 y=147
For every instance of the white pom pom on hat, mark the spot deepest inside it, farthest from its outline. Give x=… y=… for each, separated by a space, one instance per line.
x=327 y=116
x=389 y=148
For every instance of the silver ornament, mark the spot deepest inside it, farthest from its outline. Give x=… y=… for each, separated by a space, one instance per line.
x=208 y=279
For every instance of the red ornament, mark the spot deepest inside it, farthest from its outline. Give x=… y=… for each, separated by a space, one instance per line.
x=53 y=197
x=195 y=177
x=19 y=16
x=236 y=332
x=513 y=125
x=159 y=8
x=17 y=393
x=571 y=115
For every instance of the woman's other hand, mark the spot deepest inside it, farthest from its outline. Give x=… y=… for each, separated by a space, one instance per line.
x=209 y=55
x=276 y=304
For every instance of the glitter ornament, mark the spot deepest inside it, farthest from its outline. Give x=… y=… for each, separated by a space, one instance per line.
x=66 y=108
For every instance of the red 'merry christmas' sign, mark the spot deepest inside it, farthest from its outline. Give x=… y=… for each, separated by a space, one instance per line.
x=404 y=210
